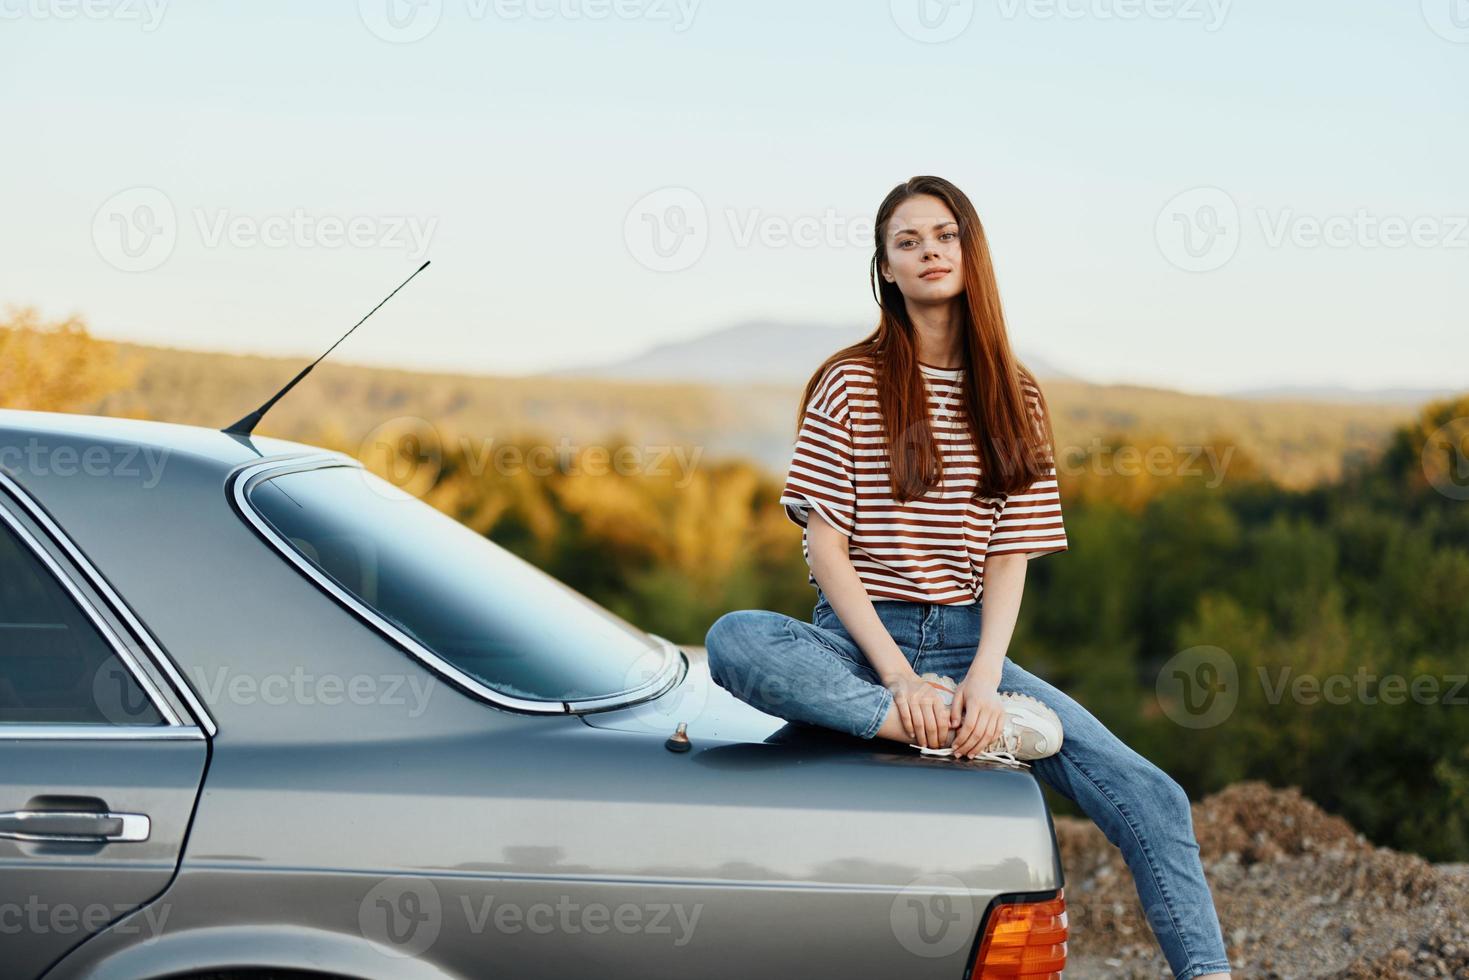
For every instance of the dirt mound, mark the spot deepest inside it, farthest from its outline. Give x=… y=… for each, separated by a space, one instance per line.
x=1263 y=824
x=1298 y=891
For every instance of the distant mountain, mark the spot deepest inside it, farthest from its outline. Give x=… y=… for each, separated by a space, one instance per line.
x=753 y=352
x=1343 y=395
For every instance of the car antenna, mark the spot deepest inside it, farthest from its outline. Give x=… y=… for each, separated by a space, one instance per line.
x=247 y=424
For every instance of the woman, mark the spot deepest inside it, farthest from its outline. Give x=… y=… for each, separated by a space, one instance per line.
x=917 y=541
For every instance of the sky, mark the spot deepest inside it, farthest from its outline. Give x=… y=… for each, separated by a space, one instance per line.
x=1197 y=194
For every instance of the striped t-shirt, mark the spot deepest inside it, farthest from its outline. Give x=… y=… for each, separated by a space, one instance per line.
x=932 y=548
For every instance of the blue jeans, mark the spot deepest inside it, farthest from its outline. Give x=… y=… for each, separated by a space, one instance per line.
x=815 y=673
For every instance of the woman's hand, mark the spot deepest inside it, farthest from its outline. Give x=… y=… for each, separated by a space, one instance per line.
x=977 y=714
x=922 y=710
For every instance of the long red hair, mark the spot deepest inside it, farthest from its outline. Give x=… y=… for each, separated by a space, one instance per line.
x=1014 y=446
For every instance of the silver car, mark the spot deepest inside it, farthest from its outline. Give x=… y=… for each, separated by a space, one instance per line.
x=262 y=713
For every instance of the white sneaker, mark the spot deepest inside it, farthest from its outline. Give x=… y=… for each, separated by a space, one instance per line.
x=1032 y=729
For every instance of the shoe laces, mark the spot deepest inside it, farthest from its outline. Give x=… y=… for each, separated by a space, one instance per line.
x=1004 y=746
x=1002 y=749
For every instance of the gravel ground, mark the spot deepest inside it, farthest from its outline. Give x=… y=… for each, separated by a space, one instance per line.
x=1298 y=891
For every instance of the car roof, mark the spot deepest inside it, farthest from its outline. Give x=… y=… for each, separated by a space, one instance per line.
x=48 y=430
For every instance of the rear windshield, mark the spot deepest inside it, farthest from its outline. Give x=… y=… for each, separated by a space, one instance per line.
x=491 y=614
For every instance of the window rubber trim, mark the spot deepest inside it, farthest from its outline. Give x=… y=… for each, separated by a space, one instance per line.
x=245 y=478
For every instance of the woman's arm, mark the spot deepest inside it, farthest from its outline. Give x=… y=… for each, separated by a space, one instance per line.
x=978 y=714
x=831 y=564
x=1004 y=584
x=922 y=712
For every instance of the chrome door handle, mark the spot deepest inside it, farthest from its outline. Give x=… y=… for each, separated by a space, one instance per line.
x=74 y=826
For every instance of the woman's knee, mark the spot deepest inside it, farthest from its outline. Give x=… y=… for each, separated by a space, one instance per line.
x=1161 y=794
x=728 y=632
x=733 y=637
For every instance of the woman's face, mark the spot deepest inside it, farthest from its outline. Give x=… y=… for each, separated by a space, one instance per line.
x=921 y=243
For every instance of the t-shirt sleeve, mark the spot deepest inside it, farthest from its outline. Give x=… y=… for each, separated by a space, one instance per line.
x=822 y=474
x=1030 y=521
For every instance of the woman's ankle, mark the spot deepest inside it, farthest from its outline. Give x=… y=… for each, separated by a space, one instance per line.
x=892 y=728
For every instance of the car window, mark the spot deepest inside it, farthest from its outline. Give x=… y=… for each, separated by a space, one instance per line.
x=489 y=613
x=55 y=666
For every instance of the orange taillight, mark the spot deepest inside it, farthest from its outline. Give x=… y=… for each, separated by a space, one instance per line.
x=1024 y=940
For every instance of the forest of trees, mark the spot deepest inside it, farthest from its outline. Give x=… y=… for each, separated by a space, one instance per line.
x=1225 y=628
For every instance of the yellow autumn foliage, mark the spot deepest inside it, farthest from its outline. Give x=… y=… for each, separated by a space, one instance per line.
x=56 y=366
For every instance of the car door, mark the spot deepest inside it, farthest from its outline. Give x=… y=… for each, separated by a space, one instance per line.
x=100 y=762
